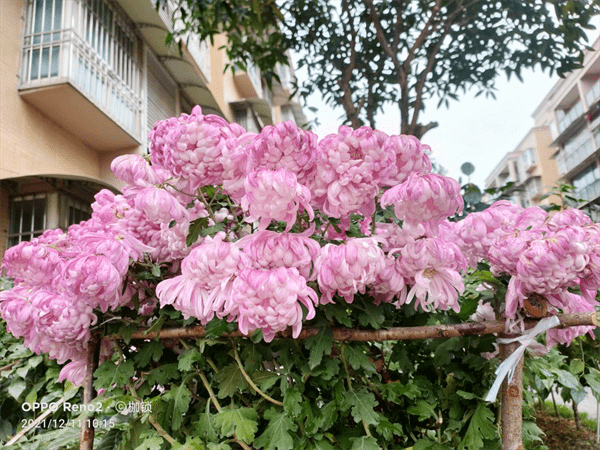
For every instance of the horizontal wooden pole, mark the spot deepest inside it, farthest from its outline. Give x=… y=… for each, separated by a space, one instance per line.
x=391 y=334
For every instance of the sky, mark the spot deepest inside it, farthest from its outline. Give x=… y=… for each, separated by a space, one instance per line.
x=477 y=130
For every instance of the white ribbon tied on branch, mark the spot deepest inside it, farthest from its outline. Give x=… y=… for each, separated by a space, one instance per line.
x=507 y=368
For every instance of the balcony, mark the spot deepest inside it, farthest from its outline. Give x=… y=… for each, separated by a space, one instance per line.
x=594 y=94
x=248 y=82
x=590 y=192
x=83 y=74
x=574 y=154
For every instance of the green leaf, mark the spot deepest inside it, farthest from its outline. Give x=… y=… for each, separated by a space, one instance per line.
x=181 y=398
x=291 y=402
x=187 y=359
x=109 y=374
x=150 y=351
x=153 y=443
x=364 y=443
x=110 y=440
x=264 y=379
x=325 y=418
x=362 y=404
x=593 y=381
x=195 y=229
x=163 y=374
x=277 y=434
x=230 y=380
x=481 y=427
x=576 y=366
x=16 y=388
x=466 y=395
x=205 y=426
x=423 y=409
x=356 y=356
x=242 y=422
x=156 y=325
x=216 y=327
x=319 y=345
x=212 y=230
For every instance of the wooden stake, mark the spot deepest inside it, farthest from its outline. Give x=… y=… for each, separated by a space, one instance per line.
x=511 y=406
x=86 y=441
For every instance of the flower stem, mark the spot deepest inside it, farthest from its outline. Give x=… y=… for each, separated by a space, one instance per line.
x=249 y=380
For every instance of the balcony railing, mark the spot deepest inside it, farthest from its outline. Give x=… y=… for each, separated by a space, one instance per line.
x=570 y=158
x=590 y=192
x=95 y=55
x=571 y=116
x=594 y=94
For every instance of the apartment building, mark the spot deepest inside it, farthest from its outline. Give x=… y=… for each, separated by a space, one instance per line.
x=83 y=81
x=529 y=167
x=571 y=110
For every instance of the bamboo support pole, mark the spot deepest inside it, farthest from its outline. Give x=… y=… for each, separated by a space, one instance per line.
x=511 y=404
x=391 y=334
x=86 y=441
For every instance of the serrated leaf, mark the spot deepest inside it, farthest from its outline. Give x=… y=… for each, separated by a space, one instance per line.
x=424 y=410
x=361 y=403
x=110 y=440
x=212 y=230
x=357 y=358
x=319 y=345
x=163 y=374
x=181 y=398
x=388 y=429
x=364 y=443
x=371 y=316
x=277 y=434
x=109 y=374
x=264 y=379
x=325 y=418
x=186 y=360
x=216 y=327
x=241 y=422
x=576 y=366
x=291 y=403
x=150 y=351
x=480 y=427
x=230 y=380
x=153 y=443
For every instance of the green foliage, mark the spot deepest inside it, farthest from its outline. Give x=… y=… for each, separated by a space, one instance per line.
x=364 y=54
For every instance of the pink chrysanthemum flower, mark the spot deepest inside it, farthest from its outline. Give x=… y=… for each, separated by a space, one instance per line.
x=435 y=267
x=410 y=158
x=133 y=169
x=389 y=283
x=32 y=263
x=475 y=233
x=573 y=304
x=275 y=195
x=348 y=268
x=350 y=168
x=270 y=250
x=552 y=264
x=424 y=197
x=205 y=277
x=74 y=371
x=270 y=300
x=93 y=279
x=285 y=146
x=17 y=311
x=567 y=217
x=235 y=160
x=505 y=251
x=191 y=146
x=159 y=205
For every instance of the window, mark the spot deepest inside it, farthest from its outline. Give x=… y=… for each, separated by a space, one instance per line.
x=43 y=33
x=27 y=218
x=74 y=211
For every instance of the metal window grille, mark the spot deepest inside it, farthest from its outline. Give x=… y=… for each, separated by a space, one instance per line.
x=27 y=218
x=89 y=44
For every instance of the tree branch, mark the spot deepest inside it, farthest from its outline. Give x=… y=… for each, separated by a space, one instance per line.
x=391 y=334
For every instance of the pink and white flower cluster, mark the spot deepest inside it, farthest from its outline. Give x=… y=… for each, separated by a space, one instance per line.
x=202 y=170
